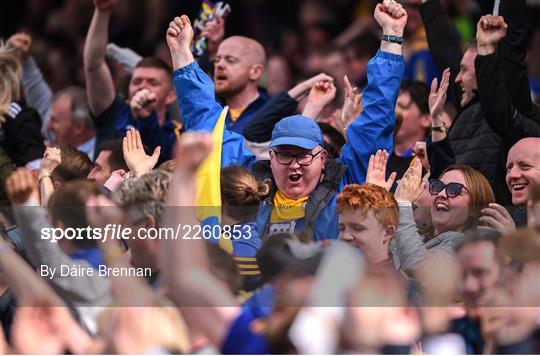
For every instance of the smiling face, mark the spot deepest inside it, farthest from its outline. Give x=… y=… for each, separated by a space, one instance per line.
x=293 y=180
x=365 y=232
x=523 y=168
x=466 y=77
x=451 y=214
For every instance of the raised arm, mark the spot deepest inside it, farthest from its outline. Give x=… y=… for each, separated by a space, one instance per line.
x=497 y=106
x=443 y=43
x=195 y=94
x=259 y=129
x=205 y=302
x=374 y=128
x=37 y=92
x=512 y=54
x=99 y=83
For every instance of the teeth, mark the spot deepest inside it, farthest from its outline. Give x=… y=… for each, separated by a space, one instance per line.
x=441 y=206
x=518 y=186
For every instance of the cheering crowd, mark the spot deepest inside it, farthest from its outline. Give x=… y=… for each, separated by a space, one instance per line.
x=387 y=202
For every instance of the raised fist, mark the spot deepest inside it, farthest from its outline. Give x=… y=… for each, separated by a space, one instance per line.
x=22 y=42
x=179 y=34
x=105 y=5
x=21 y=186
x=490 y=30
x=143 y=103
x=52 y=158
x=392 y=17
x=214 y=31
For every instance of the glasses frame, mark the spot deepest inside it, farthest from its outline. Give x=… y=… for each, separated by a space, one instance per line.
x=445 y=187
x=292 y=157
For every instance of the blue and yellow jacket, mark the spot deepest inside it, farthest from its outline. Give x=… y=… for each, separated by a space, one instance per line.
x=372 y=130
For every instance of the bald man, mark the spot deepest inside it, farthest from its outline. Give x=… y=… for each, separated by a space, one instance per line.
x=238 y=66
x=523 y=168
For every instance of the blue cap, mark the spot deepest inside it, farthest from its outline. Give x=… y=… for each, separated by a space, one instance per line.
x=297 y=130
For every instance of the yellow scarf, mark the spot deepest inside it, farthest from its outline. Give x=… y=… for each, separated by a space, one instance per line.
x=286 y=209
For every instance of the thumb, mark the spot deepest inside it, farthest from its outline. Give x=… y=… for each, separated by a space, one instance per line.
x=151 y=96
x=156 y=153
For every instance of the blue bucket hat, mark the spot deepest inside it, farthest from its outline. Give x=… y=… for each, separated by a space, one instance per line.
x=297 y=130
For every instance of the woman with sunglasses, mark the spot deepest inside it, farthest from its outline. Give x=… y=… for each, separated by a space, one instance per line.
x=457 y=199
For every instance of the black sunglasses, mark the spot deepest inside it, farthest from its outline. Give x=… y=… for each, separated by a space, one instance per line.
x=452 y=189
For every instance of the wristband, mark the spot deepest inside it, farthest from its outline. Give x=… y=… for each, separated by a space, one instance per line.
x=392 y=39
x=43 y=175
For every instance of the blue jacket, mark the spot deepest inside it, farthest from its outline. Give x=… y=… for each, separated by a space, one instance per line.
x=372 y=130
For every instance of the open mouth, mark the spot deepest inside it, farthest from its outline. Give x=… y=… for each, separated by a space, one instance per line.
x=221 y=77
x=519 y=187
x=440 y=206
x=294 y=178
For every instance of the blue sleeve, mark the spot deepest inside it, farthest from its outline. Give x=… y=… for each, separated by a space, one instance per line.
x=374 y=128
x=200 y=112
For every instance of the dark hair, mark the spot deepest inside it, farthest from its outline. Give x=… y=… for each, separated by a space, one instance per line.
x=241 y=193
x=67 y=205
x=419 y=93
x=154 y=62
x=337 y=140
x=223 y=267
x=116 y=159
x=75 y=164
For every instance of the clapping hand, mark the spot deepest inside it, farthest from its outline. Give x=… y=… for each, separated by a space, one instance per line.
x=136 y=158
x=376 y=173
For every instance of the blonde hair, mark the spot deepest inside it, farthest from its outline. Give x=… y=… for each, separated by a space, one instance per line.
x=10 y=78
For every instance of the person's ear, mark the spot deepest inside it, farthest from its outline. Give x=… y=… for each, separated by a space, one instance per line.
x=256 y=72
x=389 y=233
x=171 y=97
x=150 y=221
x=425 y=121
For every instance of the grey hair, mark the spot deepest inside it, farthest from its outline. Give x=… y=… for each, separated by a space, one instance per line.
x=146 y=193
x=80 y=111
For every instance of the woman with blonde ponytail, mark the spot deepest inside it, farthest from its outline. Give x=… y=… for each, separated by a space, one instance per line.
x=241 y=195
x=20 y=126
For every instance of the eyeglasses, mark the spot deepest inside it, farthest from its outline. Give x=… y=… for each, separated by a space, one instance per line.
x=303 y=159
x=452 y=189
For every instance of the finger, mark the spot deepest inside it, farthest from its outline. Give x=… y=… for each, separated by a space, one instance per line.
x=391 y=179
x=433 y=87
x=156 y=153
x=489 y=221
x=138 y=141
x=185 y=20
x=501 y=209
x=370 y=164
x=124 y=146
x=172 y=32
x=492 y=213
x=131 y=141
x=347 y=88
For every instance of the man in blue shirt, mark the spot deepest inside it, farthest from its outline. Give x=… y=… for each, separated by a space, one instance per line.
x=150 y=92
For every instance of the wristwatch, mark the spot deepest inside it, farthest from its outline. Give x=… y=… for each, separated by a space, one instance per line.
x=392 y=39
x=439 y=128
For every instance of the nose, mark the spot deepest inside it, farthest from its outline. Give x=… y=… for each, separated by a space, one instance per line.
x=458 y=78
x=219 y=63
x=92 y=174
x=442 y=194
x=514 y=172
x=470 y=284
x=344 y=236
x=294 y=163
